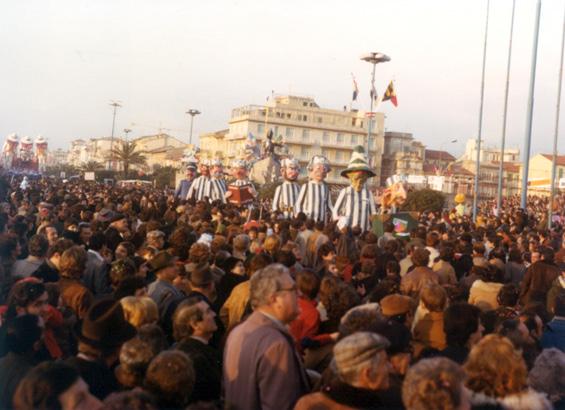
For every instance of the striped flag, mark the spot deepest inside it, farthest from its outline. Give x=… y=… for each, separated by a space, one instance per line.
x=355 y=88
x=373 y=93
x=390 y=94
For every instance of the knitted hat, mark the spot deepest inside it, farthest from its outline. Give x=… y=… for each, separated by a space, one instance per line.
x=357 y=350
x=358 y=162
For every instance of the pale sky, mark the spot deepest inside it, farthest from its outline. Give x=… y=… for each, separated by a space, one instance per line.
x=62 y=61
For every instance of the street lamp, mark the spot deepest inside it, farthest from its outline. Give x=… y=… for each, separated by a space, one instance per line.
x=373 y=58
x=192 y=112
x=127 y=131
x=114 y=104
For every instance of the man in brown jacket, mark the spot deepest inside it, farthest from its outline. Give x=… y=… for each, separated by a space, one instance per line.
x=421 y=275
x=539 y=277
x=262 y=369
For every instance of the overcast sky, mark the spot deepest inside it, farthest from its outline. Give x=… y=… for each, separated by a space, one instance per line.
x=62 y=61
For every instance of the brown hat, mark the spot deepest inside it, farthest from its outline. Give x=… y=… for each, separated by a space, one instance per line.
x=393 y=305
x=162 y=260
x=105 y=326
x=201 y=275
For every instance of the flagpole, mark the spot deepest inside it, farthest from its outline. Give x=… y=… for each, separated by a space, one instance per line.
x=374 y=58
x=555 y=136
x=478 y=164
x=528 y=136
x=503 y=141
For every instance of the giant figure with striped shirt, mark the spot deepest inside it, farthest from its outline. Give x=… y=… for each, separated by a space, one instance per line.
x=218 y=184
x=201 y=187
x=286 y=193
x=314 y=198
x=355 y=204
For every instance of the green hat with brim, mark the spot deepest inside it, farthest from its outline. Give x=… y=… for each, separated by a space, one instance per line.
x=358 y=162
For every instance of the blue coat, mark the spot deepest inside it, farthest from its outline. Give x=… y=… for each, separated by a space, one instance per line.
x=554 y=335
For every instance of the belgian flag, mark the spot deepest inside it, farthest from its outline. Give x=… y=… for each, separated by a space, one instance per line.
x=390 y=94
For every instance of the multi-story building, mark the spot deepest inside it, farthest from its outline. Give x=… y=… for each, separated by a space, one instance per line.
x=402 y=155
x=308 y=130
x=214 y=144
x=161 y=149
x=57 y=157
x=488 y=154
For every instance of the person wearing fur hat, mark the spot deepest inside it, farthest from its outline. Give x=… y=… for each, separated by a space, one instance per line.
x=356 y=203
x=218 y=184
x=201 y=187
x=314 y=198
x=286 y=193
x=184 y=185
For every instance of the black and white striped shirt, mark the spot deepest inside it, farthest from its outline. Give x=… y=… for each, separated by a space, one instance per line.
x=218 y=190
x=286 y=195
x=357 y=207
x=314 y=200
x=200 y=188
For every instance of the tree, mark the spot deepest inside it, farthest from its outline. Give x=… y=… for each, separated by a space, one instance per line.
x=424 y=200
x=91 y=166
x=127 y=155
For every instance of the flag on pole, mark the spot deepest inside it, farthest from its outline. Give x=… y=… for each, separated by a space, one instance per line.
x=355 y=88
x=390 y=94
x=373 y=93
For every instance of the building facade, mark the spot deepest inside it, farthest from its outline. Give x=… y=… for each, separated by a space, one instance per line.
x=307 y=130
x=489 y=154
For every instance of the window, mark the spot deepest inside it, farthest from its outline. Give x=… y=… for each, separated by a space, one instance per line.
x=276 y=131
x=560 y=173
x=319 y=119
x=304 y=118
x=354 y=139
x=371 y=143
x=339 y=138
x=289 y=132
x=338 y=155
x=305 y=135
x=305 y=153
x=260 y=129
x=326 y=137
x=325 y=152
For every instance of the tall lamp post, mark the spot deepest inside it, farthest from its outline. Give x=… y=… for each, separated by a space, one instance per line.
x=503 y=141
x=127 y=131
x=192 y=112
x=478 y=146
x=116 y=105
x=373 y=58
x=556 y=135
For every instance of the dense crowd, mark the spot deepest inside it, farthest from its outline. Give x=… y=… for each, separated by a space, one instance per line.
x=136 y=298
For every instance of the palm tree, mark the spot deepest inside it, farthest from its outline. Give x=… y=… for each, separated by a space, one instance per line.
x=127 y=155
x=91 y=166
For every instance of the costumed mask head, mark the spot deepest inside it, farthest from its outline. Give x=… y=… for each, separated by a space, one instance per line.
x=204 y=168
x=239 y=169
x=290 y=169
x=319 y=166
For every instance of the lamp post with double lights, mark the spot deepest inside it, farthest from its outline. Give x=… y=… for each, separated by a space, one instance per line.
x=373 y=58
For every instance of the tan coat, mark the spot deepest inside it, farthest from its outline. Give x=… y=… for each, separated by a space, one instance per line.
x=262 y=369
x=415 y=280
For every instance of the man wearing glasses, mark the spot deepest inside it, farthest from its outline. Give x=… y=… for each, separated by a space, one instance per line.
x=262 y=369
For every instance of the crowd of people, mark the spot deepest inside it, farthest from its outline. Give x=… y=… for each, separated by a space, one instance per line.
x=137 y=298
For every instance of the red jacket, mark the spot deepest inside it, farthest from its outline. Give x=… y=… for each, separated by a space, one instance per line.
x=308 y=321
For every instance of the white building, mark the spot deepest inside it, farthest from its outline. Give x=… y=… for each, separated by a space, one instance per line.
x=308 y=130
x=489 y=154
